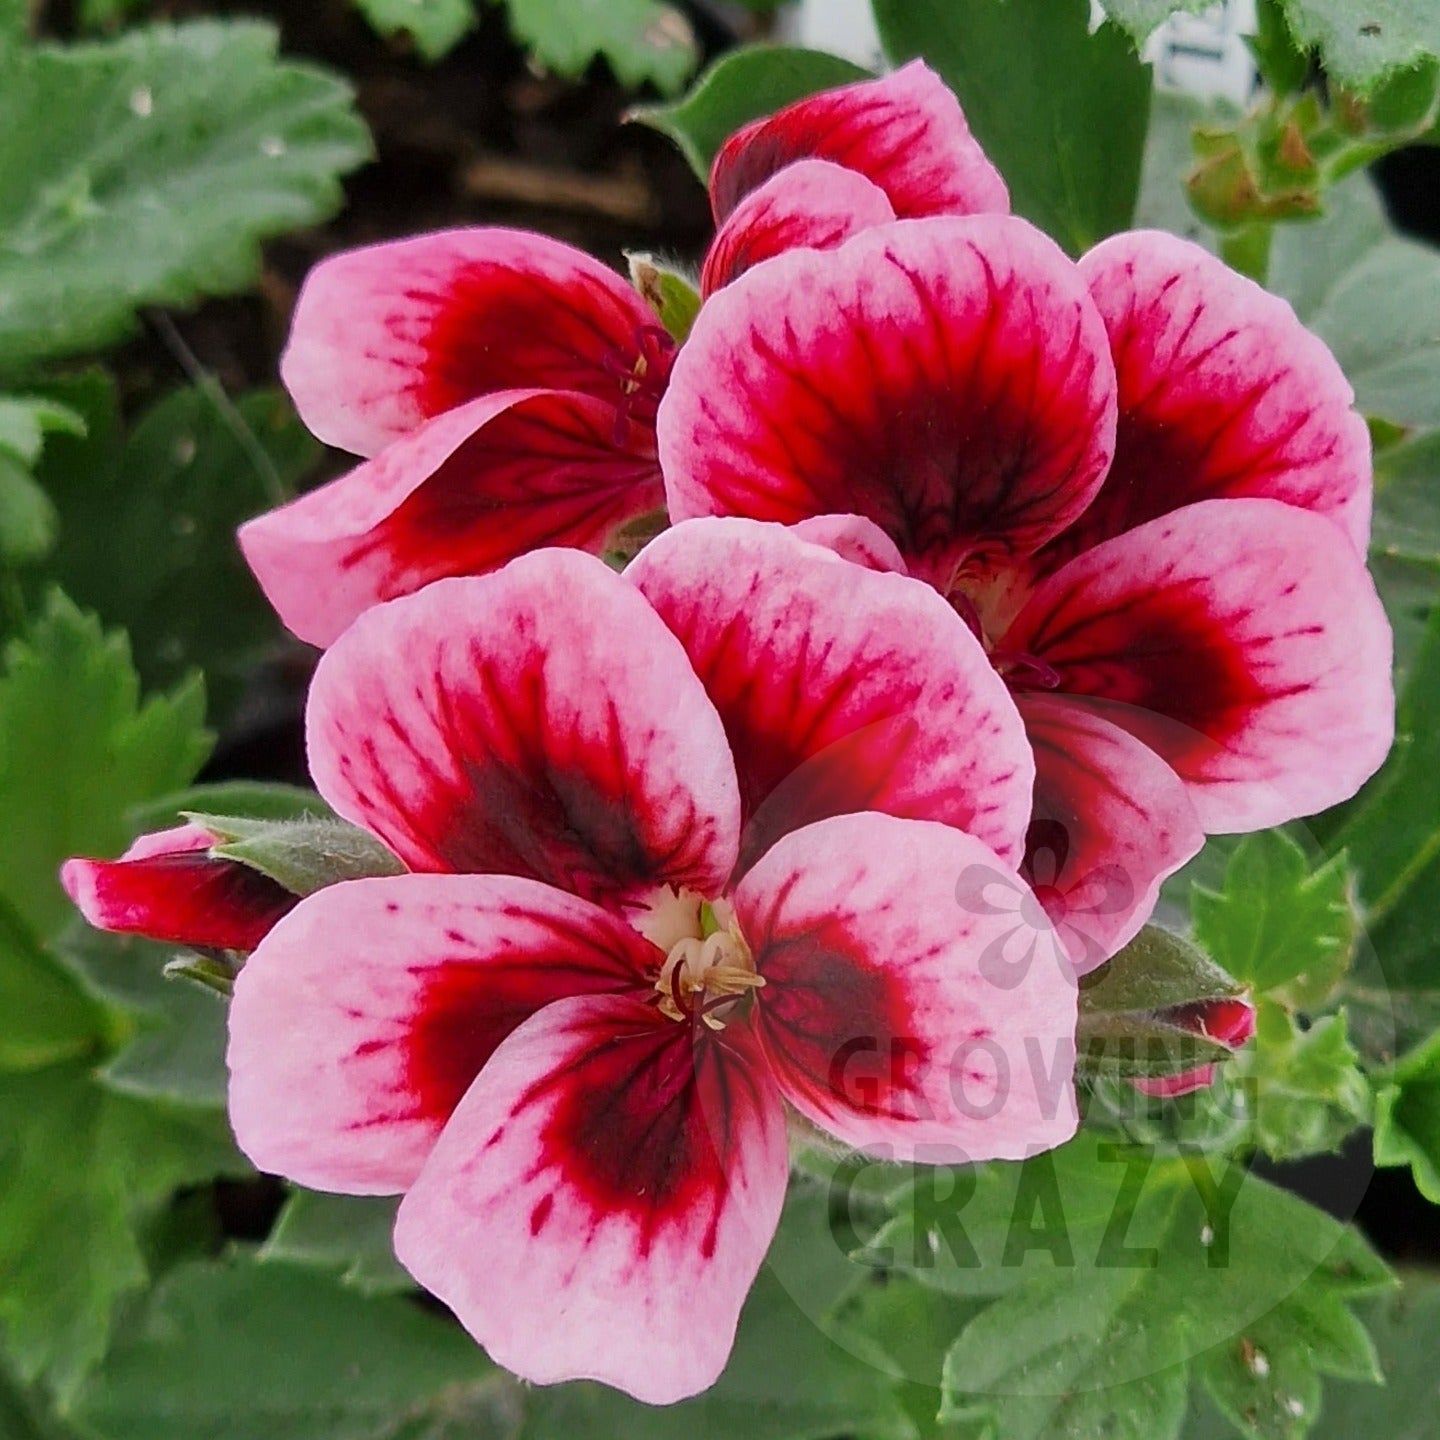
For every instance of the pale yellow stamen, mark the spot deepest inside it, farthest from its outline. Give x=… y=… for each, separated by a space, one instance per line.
x=701 y=968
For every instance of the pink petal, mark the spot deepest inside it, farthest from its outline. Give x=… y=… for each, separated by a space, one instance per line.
x=1229 y=1021
x=853 y=538
x=601 y=1201
x=387 y=337
x=540 y=721
x=841 y=688
x=1222 y=393
x=812 y=203
x=467 y=491
x=897 y=1017
x=1242 y=640
x=906 y=132
x=167 y=887
x=1111 y=821
x=947 y=379
x=360 y=1023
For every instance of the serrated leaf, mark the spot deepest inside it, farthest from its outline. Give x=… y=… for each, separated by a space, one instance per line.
x=642 y=40
x=1104 y=1344
x=172 y=491
x=742 y=86
x=1361 y=41
x=83 y=1168
x=1305 y=1091
x=1407 y=1116
x=1403 y=1327
x=1276 y=921
x=348 y=1235
x=1064 y=117
x=78 y=748
x=235 y=1351
x=146 y=170
x=436 y=26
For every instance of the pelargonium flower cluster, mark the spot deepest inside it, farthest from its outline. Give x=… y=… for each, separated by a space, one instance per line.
x=989 y=574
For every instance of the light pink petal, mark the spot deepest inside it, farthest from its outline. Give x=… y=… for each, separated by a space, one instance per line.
x=812 y=204
x=906 y=132
x=841 y=688
x=897 y=1015
x=360 y=1023
x=1111 y=821
x=949 y=380
x=600 y=1203
x=1240 y=639
x=540 y=721
x=167 y=887
x=1170 y=1087
x=466 y=492
x=853 y=538
x=1222 y=393
x=387 y=337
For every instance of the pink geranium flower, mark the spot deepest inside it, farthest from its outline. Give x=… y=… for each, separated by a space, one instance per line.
x=167 y=886
x=834 y=164
x=1140 y=479
x=709 y=817
x=506 y=385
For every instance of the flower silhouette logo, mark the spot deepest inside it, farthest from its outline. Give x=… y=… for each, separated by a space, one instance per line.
x=1055 y=915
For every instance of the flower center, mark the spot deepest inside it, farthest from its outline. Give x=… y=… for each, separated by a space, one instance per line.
x=642 y=383
x=709 y=971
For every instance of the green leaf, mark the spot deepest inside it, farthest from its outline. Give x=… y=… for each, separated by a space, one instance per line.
x=146 y=170
x=78 y=748
x=1131 y=1009
x=1403 y=1327
x=643 y=40
x=1392 y=835
x=1064 y=117
x=242 y=1350
x=1276 y=920
x=742 y=86
x=1407 y=1116
x=1361 y=43
x=303 y=855
x=172 y=491
x=436 y=26
x=1306 y=1093
x=1405 y=538
x=27 y=517
x=83 y=1168
x=349 y=1235
x=1197 y=1260
x=1373 y=296
x=48 y=1017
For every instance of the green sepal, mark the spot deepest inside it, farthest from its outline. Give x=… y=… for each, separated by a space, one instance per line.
x=1133 y=1010
x=303 y=855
